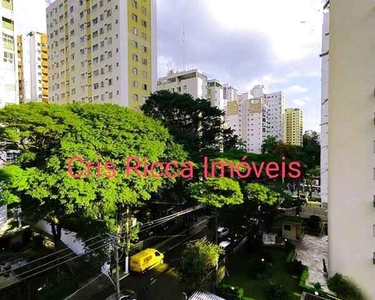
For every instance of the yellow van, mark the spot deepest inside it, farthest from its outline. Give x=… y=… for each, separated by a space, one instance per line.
x=145 y=260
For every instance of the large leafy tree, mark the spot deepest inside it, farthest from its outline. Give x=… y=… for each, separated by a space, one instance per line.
x=311 y=146
x=269 y=144
x=197 y=260
x=194 y=123
x=47 y=136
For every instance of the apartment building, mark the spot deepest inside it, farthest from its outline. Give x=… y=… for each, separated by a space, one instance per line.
x=229 y=92
x=324 y=110
x=193 y=82
x=33 y=67
x=294 y=126
x=351 y=140
x=275 y=103
x=215 y=93
x=102 y=51
x=248 y=117
x=8 y=49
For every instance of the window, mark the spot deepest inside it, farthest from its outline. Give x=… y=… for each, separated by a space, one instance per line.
x=95 y=60
x=8 y=57
x=95 y=47
x=95 y=21
x=135 y=97
x=144 y=36
x=96 y=86
x=71 y=21
x=287 y=227
x=144 y=74
x=71 y=9
x=134 y=31
x=135 y=84
x=145 y=87
x=144 y=61
x=110 y=95
x=110 y=68
x=110 y=82
x=143 y=10
x=144 y=23
x=135 y=71
x=135 y=44
x=135 y=57
x=134 y=17
x=135 y=3
x=109 y=54
x=144 y=49
x=95 y=34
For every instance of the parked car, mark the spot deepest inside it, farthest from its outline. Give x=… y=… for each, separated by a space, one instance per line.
x=128 y=295
x=222 y=232
x=225 y=245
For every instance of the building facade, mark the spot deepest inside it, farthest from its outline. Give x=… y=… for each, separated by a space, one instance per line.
x=294 y=126
x=275 y=103
x=324 y=111
x=8 y=52
x=248 y=117
x=229 y=93
x=193 y=82
x=351 y=140
x=33 y=67
x=102 y=51
x=215 y=93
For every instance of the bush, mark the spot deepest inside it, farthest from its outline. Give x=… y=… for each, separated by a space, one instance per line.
x=344 y=288
x=317 y=286
x=275 y=291
x=304 y=276
x=313 y=223
x=291 y=256
x=230 y=292
x=296 y=267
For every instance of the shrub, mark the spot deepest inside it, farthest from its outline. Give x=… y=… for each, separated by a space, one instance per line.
x=230 y=292
x=313 y=223
x=291 y=256
x=304 y=276
x=344 y=288
x=296 y=267
x=275 y=291
x=317 y=286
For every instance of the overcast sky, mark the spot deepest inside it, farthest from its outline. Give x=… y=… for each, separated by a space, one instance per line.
x=243 y=42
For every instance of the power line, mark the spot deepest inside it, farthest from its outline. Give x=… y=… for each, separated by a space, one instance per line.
x=46 y=264
x=54 y=253
x=49 y=268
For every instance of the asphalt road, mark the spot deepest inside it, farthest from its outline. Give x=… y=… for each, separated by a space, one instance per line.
x=161 y=283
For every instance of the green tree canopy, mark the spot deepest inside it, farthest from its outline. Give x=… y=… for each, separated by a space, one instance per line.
x=195 y=124
x=47 y=136
x=261 y=193
x=217 y=192
x=197 y=260
x=311 y=145
x=344 y=288
x=269 y=144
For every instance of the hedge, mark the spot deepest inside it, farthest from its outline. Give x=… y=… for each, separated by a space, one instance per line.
x=310 y=289
x=291 y=256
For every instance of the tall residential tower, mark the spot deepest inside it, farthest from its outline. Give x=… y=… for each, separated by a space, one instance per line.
x=294 y=126
x=8 y=52
x=102 y=51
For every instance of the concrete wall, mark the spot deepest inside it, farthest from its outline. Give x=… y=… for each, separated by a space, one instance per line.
x=351 y=136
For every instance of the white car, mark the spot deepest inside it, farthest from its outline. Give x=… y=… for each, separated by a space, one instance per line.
x=222 y=232
x=224 y=245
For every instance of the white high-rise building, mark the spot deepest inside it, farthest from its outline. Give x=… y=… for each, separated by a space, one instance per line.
x=351 y=141
x=193 y=82
x=248 y=117
x=102 y=51
x=215 y=93
x=9 y=63
x=33 y=67
x=275 y=103
x=324 y=112
x=229 y=93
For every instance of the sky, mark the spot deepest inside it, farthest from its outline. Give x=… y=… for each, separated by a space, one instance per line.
x=241 y=42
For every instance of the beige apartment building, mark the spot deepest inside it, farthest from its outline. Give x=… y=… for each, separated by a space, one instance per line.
x=351 y=141
x=102 y=51
x=294 y=126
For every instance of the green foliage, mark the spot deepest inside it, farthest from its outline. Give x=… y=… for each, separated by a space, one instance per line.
x=344 y=288
x=229 y=292
x=217 y=192
x=269 y=144
x=314 y=223
x=197 y=260
x=304 y=276
x=296 y=267
x=195 y=124
x=291 y=256
x=317 y=286
x=47 y=136
x=311 y=146
x=276 y=291
x=261 y=193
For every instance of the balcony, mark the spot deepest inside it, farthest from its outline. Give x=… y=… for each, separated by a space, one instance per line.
x=7 y=4
x=45 y=78
x=43 y=39
x=45 y=93
x=8 y=24
x=45 y=99
x=45 y=72
x=9 y=46
x=44 y=56
x=45 y=86
x=45 y=64
x=44 y=49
